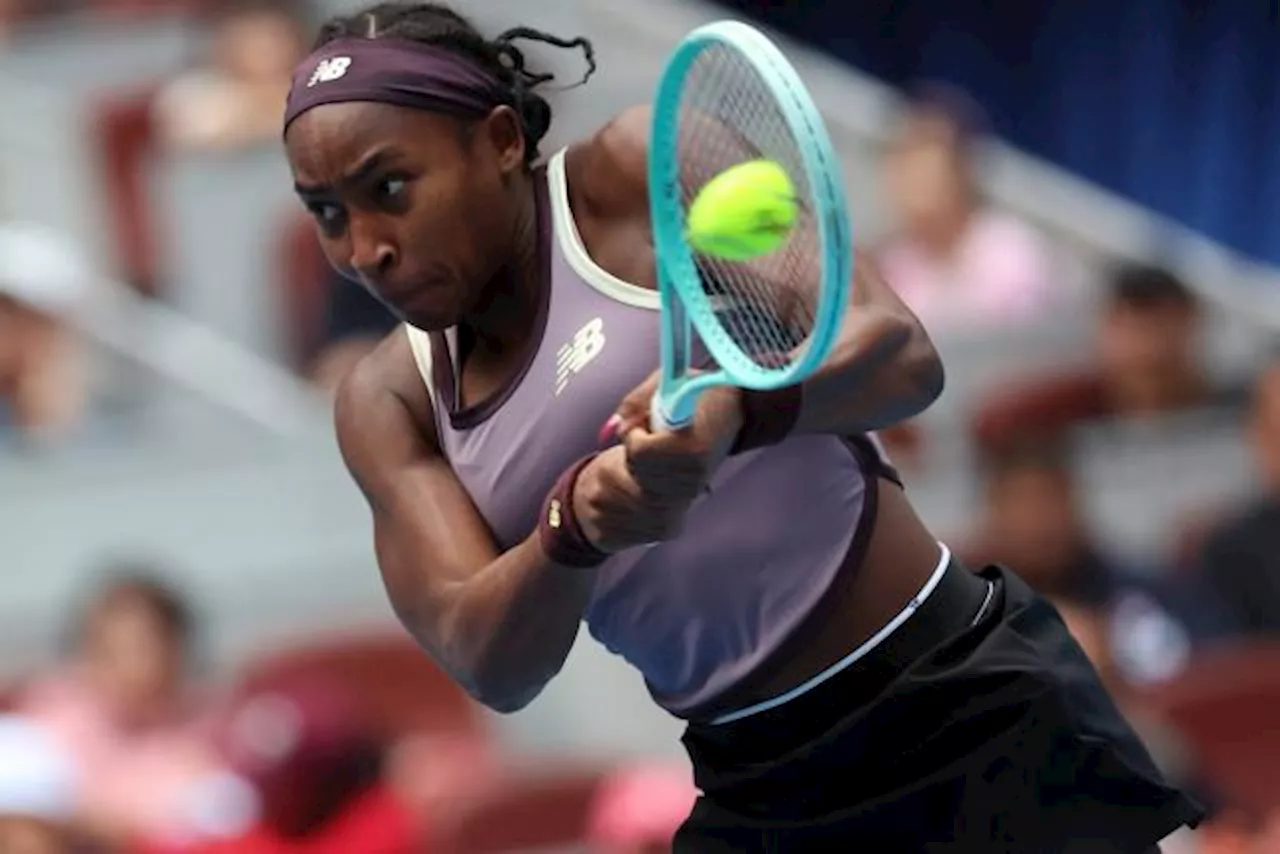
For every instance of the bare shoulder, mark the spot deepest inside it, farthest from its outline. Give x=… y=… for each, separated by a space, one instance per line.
x=625 y=140
x=611 y=168
x=389 y=371
x=382 y=409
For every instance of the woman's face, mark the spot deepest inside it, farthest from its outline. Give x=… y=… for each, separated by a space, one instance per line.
x=420 y=208
x=134 y=662
x=927 y=173
x=1138 y=342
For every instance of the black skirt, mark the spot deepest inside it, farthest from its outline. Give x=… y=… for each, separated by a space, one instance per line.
x=978 y=726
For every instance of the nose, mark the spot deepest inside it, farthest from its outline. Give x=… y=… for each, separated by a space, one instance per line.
x=373 y=256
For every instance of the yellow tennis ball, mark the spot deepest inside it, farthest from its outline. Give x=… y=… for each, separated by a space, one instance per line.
x=745 y=212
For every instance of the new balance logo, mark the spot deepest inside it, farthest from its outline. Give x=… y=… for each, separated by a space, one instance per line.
x=577 y=354
x=329 y=70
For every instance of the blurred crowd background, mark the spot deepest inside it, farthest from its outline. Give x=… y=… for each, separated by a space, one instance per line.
x=195 y=654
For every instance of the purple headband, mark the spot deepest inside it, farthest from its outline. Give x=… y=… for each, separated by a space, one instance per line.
x=393 y=71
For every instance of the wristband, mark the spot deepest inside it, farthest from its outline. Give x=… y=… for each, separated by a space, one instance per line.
x=768 y=417
x=559 y=532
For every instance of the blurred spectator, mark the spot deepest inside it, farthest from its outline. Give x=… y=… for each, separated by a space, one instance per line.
x=1150 y=345
x=1238 y=833
x=37 y=791
x=354 y=324
x=316 y=769
x=236 y=97
x=957 y=263
x=138 y=8
x=639 y=809
x=1032 y=521
x=123 y=706
x=1241 y=557
x=1231 y=833
x=1149 y=363
x=10 y=12
x=1267 y=839
x=443 y=775
x=1138 y=625
x=42 y=281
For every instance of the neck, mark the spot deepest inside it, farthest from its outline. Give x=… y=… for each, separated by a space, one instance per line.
x=504 y=315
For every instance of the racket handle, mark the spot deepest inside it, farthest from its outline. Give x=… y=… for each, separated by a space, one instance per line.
x=658 y=418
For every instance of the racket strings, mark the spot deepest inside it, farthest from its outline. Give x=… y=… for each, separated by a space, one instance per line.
x=730 y=116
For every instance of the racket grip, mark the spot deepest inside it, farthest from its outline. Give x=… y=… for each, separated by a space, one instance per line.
x=659 y=420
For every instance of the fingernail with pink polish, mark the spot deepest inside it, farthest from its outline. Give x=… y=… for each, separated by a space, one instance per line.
x=609 y=432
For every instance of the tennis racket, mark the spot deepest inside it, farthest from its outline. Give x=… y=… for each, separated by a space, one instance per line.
x=727 y=96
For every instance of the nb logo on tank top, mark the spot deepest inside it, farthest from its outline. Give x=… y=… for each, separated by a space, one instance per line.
x=334 y=68
x=577 y=354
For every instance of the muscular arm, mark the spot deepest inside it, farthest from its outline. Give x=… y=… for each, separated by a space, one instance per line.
x=501 y=624
x=883 y=370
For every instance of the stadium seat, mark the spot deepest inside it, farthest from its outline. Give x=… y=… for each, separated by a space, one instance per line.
x=526 y=813
x=1224 y=706
x=8 y=696
x=1037 y=408
x=399 y=687
x=125 y=136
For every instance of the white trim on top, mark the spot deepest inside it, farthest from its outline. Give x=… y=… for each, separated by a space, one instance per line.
x=420 y=344
x=575 y=252
x=944 y=561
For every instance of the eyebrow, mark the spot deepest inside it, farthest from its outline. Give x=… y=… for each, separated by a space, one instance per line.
x=367 y=166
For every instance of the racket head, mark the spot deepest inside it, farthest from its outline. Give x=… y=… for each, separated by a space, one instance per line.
x=727 y=96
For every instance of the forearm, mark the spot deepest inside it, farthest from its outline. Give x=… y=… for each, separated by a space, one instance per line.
x=511 y=625
x=883 y=370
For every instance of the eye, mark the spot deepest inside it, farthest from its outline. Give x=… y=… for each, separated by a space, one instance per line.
x=392 y=188
x=329 y=215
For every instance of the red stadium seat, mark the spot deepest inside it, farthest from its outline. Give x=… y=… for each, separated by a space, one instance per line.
x=8 y=696
x=126 y=137
x=398 y=686
x=1225 y=707
x=525 y=814
x=1043 y=407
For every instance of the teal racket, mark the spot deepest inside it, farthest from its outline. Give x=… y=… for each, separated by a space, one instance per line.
x=729 y=99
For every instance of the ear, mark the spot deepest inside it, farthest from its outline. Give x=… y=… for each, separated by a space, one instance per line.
x=505 y=133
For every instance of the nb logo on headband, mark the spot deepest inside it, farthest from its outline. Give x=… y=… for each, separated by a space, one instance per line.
x=329 y=70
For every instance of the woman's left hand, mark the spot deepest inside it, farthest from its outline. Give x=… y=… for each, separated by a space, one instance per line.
x=677 y=463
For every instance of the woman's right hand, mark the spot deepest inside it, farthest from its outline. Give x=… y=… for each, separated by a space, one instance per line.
x=615 y=513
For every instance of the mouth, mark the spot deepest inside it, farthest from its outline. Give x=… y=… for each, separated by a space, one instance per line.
x=423 y=301
x=409 y=294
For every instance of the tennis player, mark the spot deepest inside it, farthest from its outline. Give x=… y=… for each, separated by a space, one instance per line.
x=847 y=685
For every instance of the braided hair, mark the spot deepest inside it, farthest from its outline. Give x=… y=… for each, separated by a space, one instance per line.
x=438 y=25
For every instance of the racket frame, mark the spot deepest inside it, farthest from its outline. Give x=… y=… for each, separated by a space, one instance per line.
x=685 y=304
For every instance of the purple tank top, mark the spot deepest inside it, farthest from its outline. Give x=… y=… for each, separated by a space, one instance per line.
x=694 y=615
